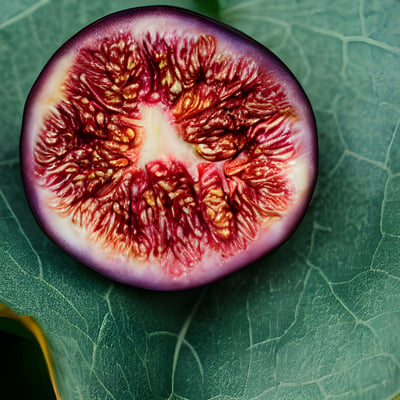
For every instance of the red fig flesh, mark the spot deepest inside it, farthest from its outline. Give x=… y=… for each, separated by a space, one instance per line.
x=166 y=150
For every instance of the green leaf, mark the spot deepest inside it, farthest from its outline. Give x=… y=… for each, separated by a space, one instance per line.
x=317 y=319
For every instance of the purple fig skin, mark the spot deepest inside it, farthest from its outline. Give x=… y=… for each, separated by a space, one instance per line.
x=48 y=91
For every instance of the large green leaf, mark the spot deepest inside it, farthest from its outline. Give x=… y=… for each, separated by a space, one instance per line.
x=319 y=318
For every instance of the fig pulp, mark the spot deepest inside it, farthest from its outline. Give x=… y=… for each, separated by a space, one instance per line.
x=165 y=149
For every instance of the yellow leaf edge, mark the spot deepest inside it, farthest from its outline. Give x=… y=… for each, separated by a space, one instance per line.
x=30 y=323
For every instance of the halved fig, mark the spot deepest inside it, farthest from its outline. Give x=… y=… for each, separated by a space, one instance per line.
x=165 y=149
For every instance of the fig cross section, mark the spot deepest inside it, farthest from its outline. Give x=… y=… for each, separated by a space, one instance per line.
x=166 y=150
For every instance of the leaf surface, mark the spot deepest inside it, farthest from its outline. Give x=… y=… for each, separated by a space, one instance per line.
x=317 y=319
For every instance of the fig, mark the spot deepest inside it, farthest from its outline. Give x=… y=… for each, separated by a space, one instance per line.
x=165 y=149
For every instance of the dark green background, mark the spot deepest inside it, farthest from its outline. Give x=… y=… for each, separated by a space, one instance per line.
x=23 y=373
x=317 y=319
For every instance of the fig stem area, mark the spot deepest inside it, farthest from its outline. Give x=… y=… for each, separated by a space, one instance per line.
x=161 y=140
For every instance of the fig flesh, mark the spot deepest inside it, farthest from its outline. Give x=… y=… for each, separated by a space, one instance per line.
x=165 y=149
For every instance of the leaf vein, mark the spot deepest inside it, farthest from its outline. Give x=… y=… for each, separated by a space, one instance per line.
x=23 y=14
x=19 y=226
